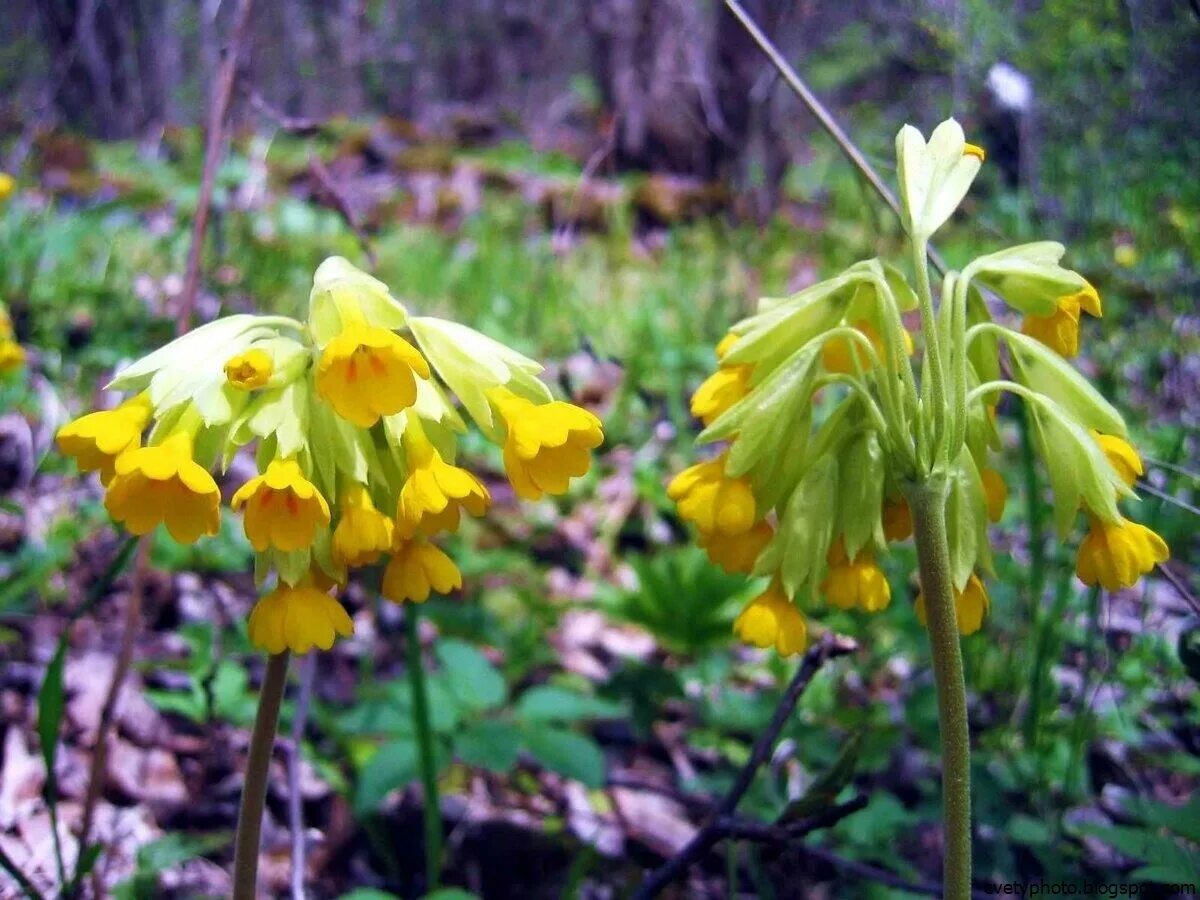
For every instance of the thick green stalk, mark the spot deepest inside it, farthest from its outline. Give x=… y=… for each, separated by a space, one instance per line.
x=254 y=790
x=432 y=806
x=928 y=504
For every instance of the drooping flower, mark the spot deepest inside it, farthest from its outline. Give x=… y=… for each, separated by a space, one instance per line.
x=971 y=604
x=298 y=618
x=1060 y=329
x=1116 y=554
x=163 y=484
x=97 y=439
x=367 y=372
x=737 y=552
x=250 y=370
x=855 y=583
x=772 y=620
x=840 y=353
x=897 y=520
x=545 y=444
x=995 y=493
x=1122 y=456
x=723 y=388
x=363 y=533
x=435 y=492
x=283 y=508
x=712 y=502
x=416 y=569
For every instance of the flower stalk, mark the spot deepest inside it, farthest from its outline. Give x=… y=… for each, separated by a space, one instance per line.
x=426 y=755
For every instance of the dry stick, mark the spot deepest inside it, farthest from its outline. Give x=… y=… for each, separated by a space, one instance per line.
x=829 y=647
x=129 y=629
x=1180 y=587
x=342 y=205
x=308 y=669
x=218 y=109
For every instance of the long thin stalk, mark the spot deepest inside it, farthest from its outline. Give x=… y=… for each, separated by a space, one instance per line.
x=432 y=812
x=254 y=791
x=928 y=504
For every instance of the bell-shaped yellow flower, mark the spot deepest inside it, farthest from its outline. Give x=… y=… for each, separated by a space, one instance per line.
x=283 y=508
x=164 y=484
x=97 y=439
x=1116 y=554
x=250 y=370
x=858 y=582
x=1122 y=456
x=897 y=520
x=1060 y=330
x=712 y=502
x=737 y=552
x=367 y=372
x=836 y=352
x=298 y=618
x=435 y=492
x=417 y=568
x=546 y=444
x=363 y=533
x=971 y=604
x=723 y=388
x=772 y=620
x=995 y=493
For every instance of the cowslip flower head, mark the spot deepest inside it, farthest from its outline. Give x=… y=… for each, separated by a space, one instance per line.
x=711 y=501
x=971 y=605
x=298 y=618
x=96 y=440
x=283 y=508
x=1115 y=555
x=435 y=492
x=1122 y=456
x=163 y=484
x=737 y=552
x=416 y=569
x=545 y=444
x=367 y=372
x=363 y=534
x=250 y=370
x=857 y=582
x=1060 y=329
x=772 y=620
x=722 y=389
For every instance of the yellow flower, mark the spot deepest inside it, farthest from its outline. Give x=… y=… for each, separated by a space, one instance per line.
x=416 y=568
x=772 y=620
x=249 y=370
x=738 y=552
x=723 y=388
x=283 y=508
x=298 y=618
x=363 y=533
x=1116 y=554
x=435 y=492
x=12 y=355
x=976 y=151
x=971 y=604
x=164 y=484
x=1122 y=456
x=97 y=439
x=710 y=501
x=1125 y=255
x=858 y=582
x=836 y=352
x=995 y=493
x=7 y=185
x=1060 y=330
x=897 y=520
x=367 y=372
x=546 y=444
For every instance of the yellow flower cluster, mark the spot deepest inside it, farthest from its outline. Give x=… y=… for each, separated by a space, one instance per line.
x=356 y=435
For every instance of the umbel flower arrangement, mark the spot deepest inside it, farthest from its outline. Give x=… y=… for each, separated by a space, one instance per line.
x=841 y=433
x=356 y=434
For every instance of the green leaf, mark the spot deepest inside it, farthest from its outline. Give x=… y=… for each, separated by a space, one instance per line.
x=567 y=753
x=547 y=703
x=823 y=792
x=490 y=744
x=391 y=766
x=368 y=894
x=51 y=702
x=473 y=680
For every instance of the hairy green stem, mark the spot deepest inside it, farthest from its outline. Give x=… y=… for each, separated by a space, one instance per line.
x=933 y=349
x=432 y=806
x=928 y=504
x=254 y=790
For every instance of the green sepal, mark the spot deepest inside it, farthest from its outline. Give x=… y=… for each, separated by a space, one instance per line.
x=902 y=291
x=337 y=447
x=797 y=551
x=1027 y=277
x=281 y=414
x=984 y=354
x=966 y=521
x=290 y=566
x=860 y=492
x=1041 y=369
x=206 y=343
x=342 y=293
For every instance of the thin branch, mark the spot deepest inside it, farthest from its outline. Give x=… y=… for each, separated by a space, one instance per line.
x=218 y=110
x=337 y=197
x=828 y=647
x=22 y=880
x=308 y=669
x=740 y=829
x=1171 y=467
x=297 y=125
x=874 y=873
x=1180 y=586
x=1167 y=498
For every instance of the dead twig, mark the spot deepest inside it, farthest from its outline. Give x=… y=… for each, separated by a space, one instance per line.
x=338 y=199
x=828 y=647
x=297 y=125
x=1180 y=586
x=741 y=829
x=215 y=138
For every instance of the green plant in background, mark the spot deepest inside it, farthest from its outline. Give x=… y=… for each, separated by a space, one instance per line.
x=838 y=444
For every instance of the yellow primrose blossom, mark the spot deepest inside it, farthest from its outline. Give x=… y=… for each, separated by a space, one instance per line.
x=367 y=372
x=283 y=508
x=836 y=352
x=858 y=582
x=772 y=620
x=995 y=493
x=298 y=618
x=712 y=502
x=164 y=484
x=971 y=604
x=723 y=388
x=435 y=492
x=12 y=355
x=1122 y=456
x=8 y=184
x=363 y=533
x=1115 y=555
x=418 y=567
x=545 y=444
x=737 y=552
x=250 y=370
x=1060 y=329
x=97 y=439
x=897 y=520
